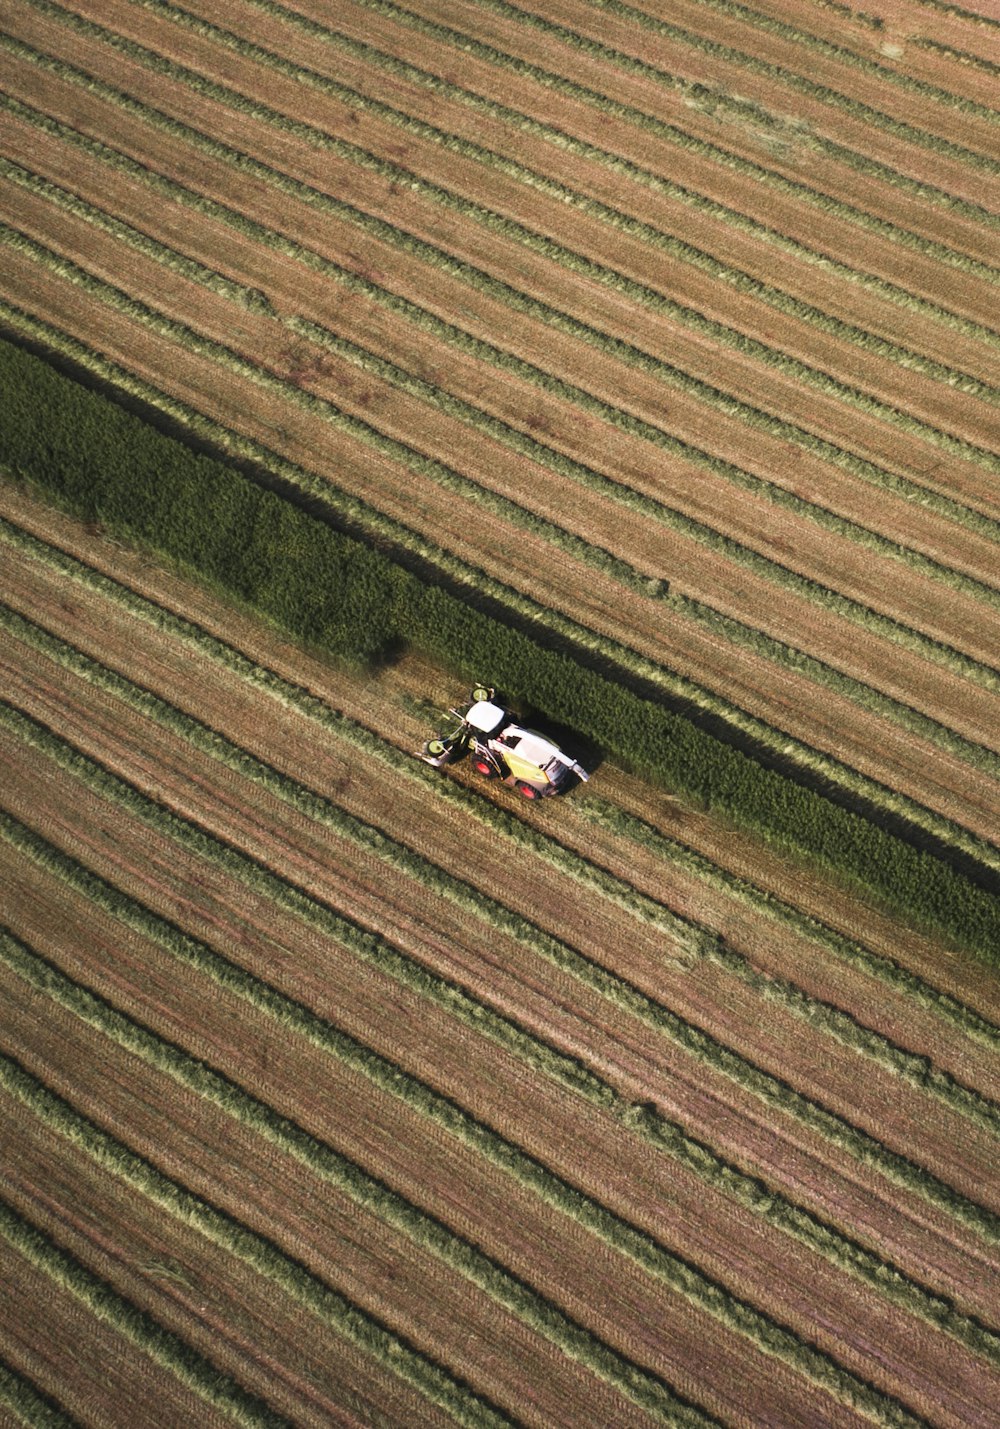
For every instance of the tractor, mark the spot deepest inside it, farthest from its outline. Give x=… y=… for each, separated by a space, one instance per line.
x=500 y=748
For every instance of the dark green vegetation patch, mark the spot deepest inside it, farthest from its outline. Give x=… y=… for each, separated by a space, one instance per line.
x=105 y=465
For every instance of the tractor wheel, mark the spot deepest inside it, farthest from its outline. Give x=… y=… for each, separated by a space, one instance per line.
x=483 y=767
x=528 y=790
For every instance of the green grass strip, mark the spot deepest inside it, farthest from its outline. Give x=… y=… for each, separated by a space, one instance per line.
x=570 y=1072
x=691 y=939
x=453 y=480
x=539 y=242
x=789 y=657
x=227 y=1234
x=456 y=336
x=350 y=599
x=739 y=110
x=640 y=1385
x=162 y=1346
x=27 y=1405
x=343 y=729
x=694 y=941
x=455 y=1000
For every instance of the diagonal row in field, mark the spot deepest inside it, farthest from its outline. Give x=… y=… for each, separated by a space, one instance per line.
x=165 y=860
x=904 y=193
x=899 y=392
x=467 y=1056
x=900 y=989
x=319 y=1076
x=450 y=181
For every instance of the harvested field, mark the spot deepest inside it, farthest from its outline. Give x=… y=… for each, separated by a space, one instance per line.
x=338 y=1091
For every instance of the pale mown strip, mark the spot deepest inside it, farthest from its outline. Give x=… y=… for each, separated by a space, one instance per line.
x=27 y=1406
x=341 y=728
x=430 y=1234
x=787 y=656
x=535 y=1310
x=725 y=402
x=504 y=361
x=140 y=1329
x=735 y=278
x=769 y=24
x=227 y=1235
x=871 y=1152
x=569 y=1071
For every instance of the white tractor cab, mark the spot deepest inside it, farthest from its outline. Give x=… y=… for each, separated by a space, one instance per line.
x=503 y=749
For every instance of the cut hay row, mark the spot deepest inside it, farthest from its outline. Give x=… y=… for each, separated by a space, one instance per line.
x=328 y=725
x=245 y=1265
x=374 y=1248
x=237 y=900
x=944 y=409
x=326 y=1092
x=821 y=30
x=516 y=1079
x=450 y=181
x=732 y=133
x=735 y=227
x=26 y=1405
x=433 y=469
x=322 y=1161
x=835 y=122
x=162 y=1355
x=292 y=901
x=740 y=632
x=711 y=170
x=69 y=171
x=571 y=1074
x=335 y=727
x=917 y=118
x=586 y=171
x=927 y=33
x=761 y=732
x=692 y=941
x=368 y=360
x=390 y=762
x=884 y=1281
x=867 y=470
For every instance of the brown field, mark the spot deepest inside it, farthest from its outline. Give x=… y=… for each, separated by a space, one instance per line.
x=335 y=1093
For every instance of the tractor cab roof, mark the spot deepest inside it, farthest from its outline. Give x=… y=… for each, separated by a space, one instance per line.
x=486 y=717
